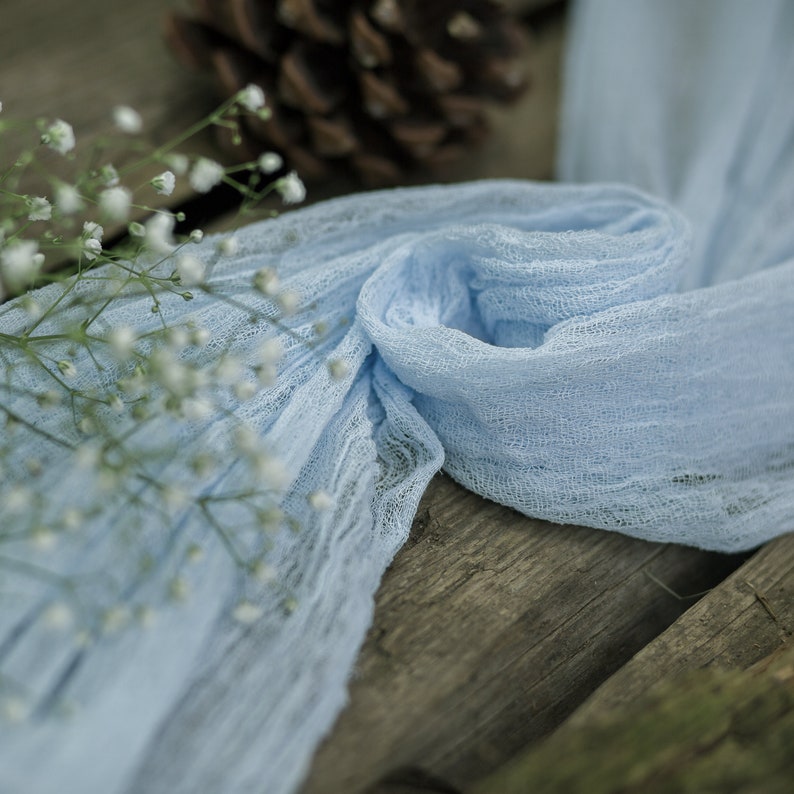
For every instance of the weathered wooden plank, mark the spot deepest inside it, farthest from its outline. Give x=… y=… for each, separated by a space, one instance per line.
x=708 y=730
x=490 y=628
x=739 y=622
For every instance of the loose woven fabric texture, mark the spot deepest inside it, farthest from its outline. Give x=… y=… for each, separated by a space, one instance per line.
x=572 y=351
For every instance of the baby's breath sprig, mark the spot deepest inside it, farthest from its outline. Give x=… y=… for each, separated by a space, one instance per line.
x=102 y=390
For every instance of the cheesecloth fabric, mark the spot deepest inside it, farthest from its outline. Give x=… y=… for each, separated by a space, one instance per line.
x=532 y=339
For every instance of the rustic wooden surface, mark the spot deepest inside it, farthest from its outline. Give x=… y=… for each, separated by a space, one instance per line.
x=705 y=731
x=490 y=628
x=732 y=726
x=735 y=625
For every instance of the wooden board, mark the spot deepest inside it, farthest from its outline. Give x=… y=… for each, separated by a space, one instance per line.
x=490 y=628
x=746 y=623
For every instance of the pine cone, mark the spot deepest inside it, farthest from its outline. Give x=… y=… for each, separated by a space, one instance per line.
x=379 y=87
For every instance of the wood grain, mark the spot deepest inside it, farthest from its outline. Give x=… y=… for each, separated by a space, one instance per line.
x=734 y=626
x=745 y=623
x=704 y=731
x=490 y=628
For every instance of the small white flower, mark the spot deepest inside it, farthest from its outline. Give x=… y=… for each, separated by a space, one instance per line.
x=190 y=269
x=244 y=390
x=68 y=199
x=179 y=163
x=266 y=281
x=178 y=338
x=58 y=616
x=320 y=501
x=122 y=341
x=92 y=248
x=269 y=162
x=43 y=539
x=108 y=175
x=271 y=471
x=91 y=240
x=67 y=368
x=59 y=136
x=252 y=97
x=127 y=119
x=197 y=408
x=116 y=404
x=39 y=209
x=246 y=441
x=228 y=246
x=205 y=174
x=247 y=613
x=229 y=370
x=31 y=307
x=88 y=456
x=266 y=374
x=289 y=301
x=164 y=183
x=291 y=189
x=175 y=497
x=338 y=369
x=72 y=518
x=269 y=351
x=171 y=374
x=93 y=229
x=18 y=499
x=264 y=573
x=20 y=263
x=114 y=619
x=159 y=234
x=194 y=553
x=115 y=203
x=196 y=236
x=1 y=107
x=199 y=336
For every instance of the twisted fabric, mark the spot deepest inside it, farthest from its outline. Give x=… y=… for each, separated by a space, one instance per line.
x=532 y=339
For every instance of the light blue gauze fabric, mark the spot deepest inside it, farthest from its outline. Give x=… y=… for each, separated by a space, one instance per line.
x=532 y=339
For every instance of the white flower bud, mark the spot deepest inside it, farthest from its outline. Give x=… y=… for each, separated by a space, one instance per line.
x=289 y=301
x=205 y=174
x=247 y=613
x=164 y=183
x=58 y=616
x=266 y=281
x=39 y=209
x=252 y=97
x=122 y=341
x=338 y=369
x=269 y=351
x=59 y=136
x=270 y=162
x=68 y=199
x=320 y=501
x=190 y=269
x=115 y=203
x=127 y=119
x=228 y=246
x=291 y=189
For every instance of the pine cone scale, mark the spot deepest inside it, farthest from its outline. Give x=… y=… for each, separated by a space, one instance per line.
x=379 y=86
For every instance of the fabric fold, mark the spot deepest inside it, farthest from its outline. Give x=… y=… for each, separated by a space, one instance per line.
x=528 y=337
